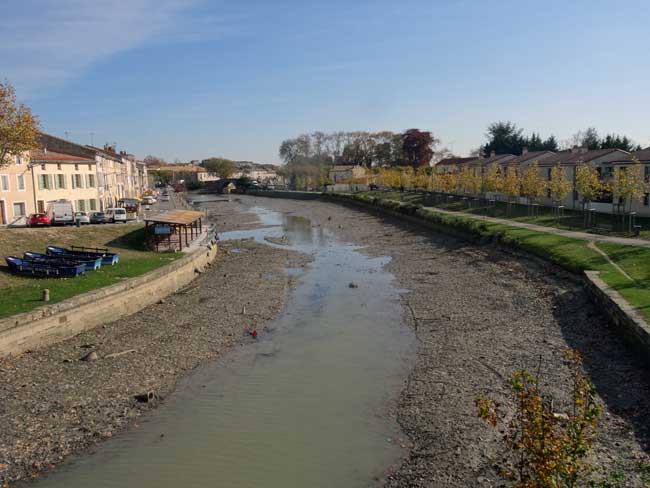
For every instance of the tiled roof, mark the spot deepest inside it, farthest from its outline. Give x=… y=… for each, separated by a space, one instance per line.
x=501 y=159
x=643 y=155
x=574 y=157
x=455 y=161
x=534 y=156
x=40 y=156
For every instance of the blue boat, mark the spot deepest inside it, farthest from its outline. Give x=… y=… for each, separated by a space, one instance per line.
x=109 y=258
x=30 y=268
x=90 y=264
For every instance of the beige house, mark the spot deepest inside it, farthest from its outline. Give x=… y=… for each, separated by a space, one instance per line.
x=16 y=190
x=58 y=176
x=343 y=174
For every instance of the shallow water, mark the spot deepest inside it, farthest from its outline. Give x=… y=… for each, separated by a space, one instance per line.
x=307 y=404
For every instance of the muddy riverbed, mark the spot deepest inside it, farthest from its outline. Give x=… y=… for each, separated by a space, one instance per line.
x=477 y=314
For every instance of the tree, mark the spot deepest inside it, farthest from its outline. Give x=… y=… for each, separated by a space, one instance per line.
x=629 y=184
x=18 y=126
x=588 y=138
x=504 y=138
x=531 y=185
x=614 y=141
x=417 y=147
x=511 y=186
x=154 y=161
x=589 y=186
x=221 y=166
x=492 y=181
x=559 y=187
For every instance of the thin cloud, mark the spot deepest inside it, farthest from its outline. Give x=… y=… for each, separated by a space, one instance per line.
x=44 y=44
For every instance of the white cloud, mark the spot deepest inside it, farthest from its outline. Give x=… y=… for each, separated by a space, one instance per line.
x=46 y=43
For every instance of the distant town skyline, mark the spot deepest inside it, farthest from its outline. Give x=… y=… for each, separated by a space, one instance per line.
x=193 y=79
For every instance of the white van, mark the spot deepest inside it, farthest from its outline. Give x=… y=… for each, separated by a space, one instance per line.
x=115 y=215
x=60 y=212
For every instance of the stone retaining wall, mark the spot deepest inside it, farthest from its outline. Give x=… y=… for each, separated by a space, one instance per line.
x=627 y=319
x=50 y=324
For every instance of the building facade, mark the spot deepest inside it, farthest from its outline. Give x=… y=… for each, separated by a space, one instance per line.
x=16 y=190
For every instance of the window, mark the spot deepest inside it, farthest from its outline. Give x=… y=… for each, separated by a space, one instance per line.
x=59 y=181
x=58 y=166
x=81 y=205
x=549 y=173
x=90 y=167
x=77 y=181
x=20 y=182
x=19 y=160
x=4 y=182
x=646 y=199
x=44 y=182
x=76 y=167
x=92 y=203
x=90 y=181
x=40 y=206
x=19 y=209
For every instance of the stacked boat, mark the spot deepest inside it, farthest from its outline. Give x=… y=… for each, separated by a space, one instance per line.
x=61 y=262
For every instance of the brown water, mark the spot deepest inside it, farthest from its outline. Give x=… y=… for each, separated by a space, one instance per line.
x=306 y=405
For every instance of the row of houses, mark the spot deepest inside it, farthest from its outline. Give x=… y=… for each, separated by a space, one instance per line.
x=92 y=178
x=604 y=160
x=193 y=173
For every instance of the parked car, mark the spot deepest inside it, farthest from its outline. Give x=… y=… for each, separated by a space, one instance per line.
x=149 y=200
x=116 y=215
x=81 y=218
x=98 y=218
x=61 y=212
x=38 y=219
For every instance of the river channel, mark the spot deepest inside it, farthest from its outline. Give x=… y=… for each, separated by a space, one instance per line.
x=309 y=403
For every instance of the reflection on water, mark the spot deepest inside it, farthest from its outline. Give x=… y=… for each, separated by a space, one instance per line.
x=306 y=405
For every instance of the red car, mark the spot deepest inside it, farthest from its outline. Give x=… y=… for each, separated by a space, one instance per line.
x=38 y=219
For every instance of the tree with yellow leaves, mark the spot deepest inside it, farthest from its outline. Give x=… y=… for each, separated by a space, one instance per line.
x=558 y=185
x=511 y=186
x=531 y=185
x=18 y=127
x=421 y=178
x=629 y=185
x=589 y=186
x=492 y=181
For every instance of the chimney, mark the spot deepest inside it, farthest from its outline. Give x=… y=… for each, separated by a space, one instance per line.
x=44 y=150
x=574 y=149
x=524 y=151
x=584 y=149
x=493 y=153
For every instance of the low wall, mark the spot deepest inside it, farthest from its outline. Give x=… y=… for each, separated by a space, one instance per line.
x=631 y=324
x=627 y=319
x=53 y=323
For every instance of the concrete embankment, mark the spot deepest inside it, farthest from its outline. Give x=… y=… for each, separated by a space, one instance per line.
x=49 y=324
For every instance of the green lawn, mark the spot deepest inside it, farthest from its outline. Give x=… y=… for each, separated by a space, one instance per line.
x=606 y=224
x=570 y=253
x=21 y=294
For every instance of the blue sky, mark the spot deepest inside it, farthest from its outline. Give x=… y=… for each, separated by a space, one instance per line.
x=190 y=79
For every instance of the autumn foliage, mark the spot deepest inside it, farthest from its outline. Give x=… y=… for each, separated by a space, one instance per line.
x=18 y=126
x=547 y=448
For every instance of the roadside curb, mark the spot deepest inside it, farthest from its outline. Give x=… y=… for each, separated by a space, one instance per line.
x=53 y=323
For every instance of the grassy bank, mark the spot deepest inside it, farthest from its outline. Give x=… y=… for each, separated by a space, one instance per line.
x=606 y=224
x=21 y=294
x=572 y=254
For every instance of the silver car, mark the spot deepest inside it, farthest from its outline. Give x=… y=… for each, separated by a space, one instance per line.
x=81 y=218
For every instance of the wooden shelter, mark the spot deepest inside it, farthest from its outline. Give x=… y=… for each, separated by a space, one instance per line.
x=172 y=228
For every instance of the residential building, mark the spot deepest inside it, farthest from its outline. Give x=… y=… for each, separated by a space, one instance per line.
x=60 y=176
x=16 y=190
x=452 y=165
x=343 y=174
x=602 y=159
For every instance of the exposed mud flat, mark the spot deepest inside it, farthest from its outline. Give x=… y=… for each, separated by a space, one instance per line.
x=479 y=315
x=53 y=405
